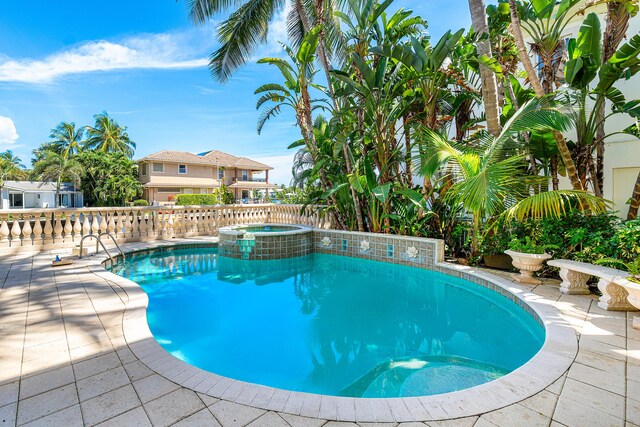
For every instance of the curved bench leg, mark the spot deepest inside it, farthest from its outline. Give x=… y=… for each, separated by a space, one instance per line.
x=634 y=299
x=574 y=282
x=614 y=297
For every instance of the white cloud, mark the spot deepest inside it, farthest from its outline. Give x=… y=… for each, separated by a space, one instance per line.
x=164 y=51
x=8 y=132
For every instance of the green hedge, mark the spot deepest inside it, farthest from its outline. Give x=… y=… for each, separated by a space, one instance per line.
x=140 y=202
x=196 y=199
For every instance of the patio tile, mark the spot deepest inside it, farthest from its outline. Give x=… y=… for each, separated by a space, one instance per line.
x=137 y=370
x=573 y=413
x=299 y=421
x=543 y=403
x=102 y=383
x=595 y=397
x=460 y=422
x=208 y=400
x=135 y=417
x=340 y=424
x=270 y=419
x=633 y=410
x=231 y=414
x=603 y=379
x=173 y=407
x=8 y=393
x=68 y=417
x=201 y=418
x=154 y=386
x=8 y=414
x=96 y=365
x=46 y=403
x=46 y=381
x=109 y=405
x=517 y=415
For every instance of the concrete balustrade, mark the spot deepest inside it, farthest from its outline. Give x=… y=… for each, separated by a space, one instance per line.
x=53 y=228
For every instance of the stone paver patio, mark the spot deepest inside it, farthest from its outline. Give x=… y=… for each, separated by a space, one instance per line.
x=64 y=361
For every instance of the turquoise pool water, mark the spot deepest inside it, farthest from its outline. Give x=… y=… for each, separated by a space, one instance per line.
x=331 y=325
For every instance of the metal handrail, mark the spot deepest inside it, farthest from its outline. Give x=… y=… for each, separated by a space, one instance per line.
x=106 y=233
x=100 y=243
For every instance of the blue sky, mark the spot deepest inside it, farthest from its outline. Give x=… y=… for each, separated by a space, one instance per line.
x=144 y=63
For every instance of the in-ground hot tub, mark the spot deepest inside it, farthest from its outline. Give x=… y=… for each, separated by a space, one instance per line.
x=265 y=241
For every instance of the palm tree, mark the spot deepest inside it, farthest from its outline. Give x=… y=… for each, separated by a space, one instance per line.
x=490 y=179
x=545 y=11
x=11 y=167
x=489 y=84
x=108 y=136
x=54 y=167
x=67 y=139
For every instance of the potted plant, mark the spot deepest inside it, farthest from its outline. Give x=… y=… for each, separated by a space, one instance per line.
x=493 y=245
x=528 y=257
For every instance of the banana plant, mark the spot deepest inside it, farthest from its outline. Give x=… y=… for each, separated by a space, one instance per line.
x=582 y=70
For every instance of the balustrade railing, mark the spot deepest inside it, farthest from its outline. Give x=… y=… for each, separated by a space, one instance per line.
x=50 y=228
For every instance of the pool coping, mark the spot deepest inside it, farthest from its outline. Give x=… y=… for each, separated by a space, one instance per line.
x=550 y=363
x=235 y=230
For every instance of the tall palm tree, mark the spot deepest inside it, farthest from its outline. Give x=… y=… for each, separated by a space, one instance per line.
x=67 y=139
x=11 y=167
x=108 y=136
x=532 y=75
x=55 y=167
x=489 y=84
x=491 y=179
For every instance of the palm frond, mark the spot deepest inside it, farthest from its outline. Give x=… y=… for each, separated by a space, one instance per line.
x=240 y=34
x=556 y=204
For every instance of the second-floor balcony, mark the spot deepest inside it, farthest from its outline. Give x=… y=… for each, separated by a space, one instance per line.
x=248 y=179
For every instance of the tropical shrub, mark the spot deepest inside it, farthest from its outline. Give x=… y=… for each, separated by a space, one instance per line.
x=196 y=199
x=140 y=202
x=108 y=179
x=224 y=195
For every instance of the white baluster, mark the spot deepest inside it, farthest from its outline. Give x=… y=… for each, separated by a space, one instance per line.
x=77 y=227
x=26 y=231
x=15 y=233
x=57 y=228
x=48 y=230
x=37 y=231
x=68 y=228
x=4 y=232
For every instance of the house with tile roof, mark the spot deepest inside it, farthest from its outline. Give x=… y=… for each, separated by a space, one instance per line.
x=169 y=172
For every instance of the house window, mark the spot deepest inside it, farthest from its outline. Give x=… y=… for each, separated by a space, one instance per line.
x=203 y=191
x=182 y=169
x=220 y=173
x=16 y=200
x=143 y=169
x=187 y=191
x=166 y=190
x=245 y=175
x=158 y=167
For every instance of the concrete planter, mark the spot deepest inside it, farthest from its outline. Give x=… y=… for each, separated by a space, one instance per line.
x=527 y=264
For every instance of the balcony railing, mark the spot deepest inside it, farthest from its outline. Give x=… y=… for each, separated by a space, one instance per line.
x=247 y=179
x=58 y=228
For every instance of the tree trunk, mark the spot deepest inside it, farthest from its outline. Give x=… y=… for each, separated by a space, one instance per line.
x=516 y=30
x=326 y=65
x=565 y=153
x=617 y=25
x=489 y=84
x=635 y=200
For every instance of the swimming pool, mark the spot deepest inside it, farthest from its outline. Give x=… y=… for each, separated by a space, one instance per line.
x=332 y=325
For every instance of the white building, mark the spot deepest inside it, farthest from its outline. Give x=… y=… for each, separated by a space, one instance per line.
x=622 y=151
x=27 y=194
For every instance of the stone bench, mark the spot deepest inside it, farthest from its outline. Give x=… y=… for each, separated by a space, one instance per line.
x=575 y=274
